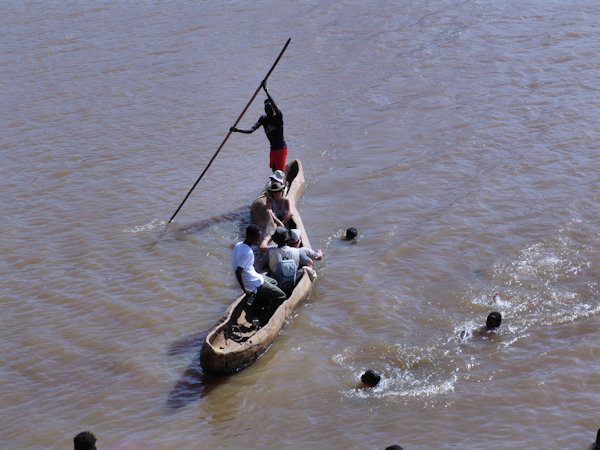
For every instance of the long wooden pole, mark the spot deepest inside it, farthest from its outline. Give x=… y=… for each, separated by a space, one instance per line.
x=234 y=125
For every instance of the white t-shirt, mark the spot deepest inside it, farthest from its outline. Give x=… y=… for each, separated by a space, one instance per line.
x=243 y=257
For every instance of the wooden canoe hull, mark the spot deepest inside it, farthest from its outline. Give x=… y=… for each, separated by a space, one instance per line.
x=221 y=355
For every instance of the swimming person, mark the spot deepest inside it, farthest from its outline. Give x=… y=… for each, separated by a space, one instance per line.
x=493 y=321
x=351 y=234
x=84 y=441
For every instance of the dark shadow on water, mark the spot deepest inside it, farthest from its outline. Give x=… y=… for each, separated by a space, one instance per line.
x=193 y=385
x=175 y=232
x=240 y=214
x=187 y=343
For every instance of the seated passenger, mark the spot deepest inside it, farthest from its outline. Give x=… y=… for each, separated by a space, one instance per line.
x=261 y=261
x=307 y=254
x=284 y=261
x=279 y=206
x=281 y=236
x=268 y=295
x=277 y=176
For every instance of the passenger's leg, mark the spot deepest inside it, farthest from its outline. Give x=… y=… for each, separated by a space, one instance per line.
x=269 y=297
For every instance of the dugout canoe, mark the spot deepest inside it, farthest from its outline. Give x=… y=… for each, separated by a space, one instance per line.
x=233 y=343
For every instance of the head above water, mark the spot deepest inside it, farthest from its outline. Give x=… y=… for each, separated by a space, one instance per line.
x=493 y=320
x=85 y=441
x=370 y=378
x=351 y=233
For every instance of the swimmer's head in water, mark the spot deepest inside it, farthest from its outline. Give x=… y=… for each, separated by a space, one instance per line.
x=370 y=378
x=351 y=233
x=493 y=320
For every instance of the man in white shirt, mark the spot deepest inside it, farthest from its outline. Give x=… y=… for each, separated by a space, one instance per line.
x=268 y=295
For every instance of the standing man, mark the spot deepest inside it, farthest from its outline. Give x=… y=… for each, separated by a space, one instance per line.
x=272 y=122
x=268 y=295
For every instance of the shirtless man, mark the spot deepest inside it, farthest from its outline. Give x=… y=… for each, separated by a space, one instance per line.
x=272 y=122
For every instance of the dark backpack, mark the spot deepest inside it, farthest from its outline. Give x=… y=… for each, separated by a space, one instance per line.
x=285 y=273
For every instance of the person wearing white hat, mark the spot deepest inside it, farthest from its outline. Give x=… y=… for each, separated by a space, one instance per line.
x=279 y=206
x=279 y=176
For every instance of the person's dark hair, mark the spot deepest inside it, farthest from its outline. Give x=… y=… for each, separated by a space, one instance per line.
x=394 y=447
x=85 y=441
x=351 y=233
x=281 y=236
x=269 y=107
x=370 y=378
x=596 y=445
x=493 y=320
x=252 y=231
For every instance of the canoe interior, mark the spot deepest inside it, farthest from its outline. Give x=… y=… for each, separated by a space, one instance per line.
x=234 y=343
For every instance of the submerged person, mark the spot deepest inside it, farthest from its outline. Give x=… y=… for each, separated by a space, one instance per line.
x=493 y=321
x=351 y=234
x=267 y=295
x=272 y=122
x=370 y=378
x=279 y=206
x=596 y=445
x=85 y=441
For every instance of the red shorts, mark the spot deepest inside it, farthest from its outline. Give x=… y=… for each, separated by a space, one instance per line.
x=277 y=159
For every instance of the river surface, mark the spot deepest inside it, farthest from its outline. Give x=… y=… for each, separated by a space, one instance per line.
x=461 y=138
